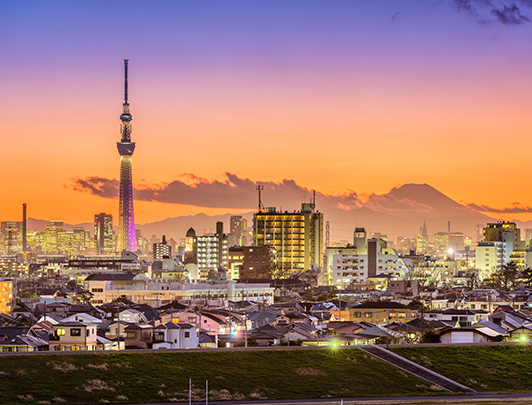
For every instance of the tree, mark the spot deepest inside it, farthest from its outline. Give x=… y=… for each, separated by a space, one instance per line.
x=472 y=280
x=506 y=279
x=84 y=297
x=418 y=305
x=430 y=336
x=72 y=285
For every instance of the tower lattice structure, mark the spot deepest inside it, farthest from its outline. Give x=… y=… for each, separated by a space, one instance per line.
x=127 y=239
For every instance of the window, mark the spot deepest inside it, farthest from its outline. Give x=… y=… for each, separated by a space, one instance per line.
x=187 y=334
x=60 y=332
x=368 y=314
x=75 y=332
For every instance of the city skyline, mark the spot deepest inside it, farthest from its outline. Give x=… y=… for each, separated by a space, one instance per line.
x=351 y=97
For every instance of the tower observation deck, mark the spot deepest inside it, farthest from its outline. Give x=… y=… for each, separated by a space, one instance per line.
x=127 y=239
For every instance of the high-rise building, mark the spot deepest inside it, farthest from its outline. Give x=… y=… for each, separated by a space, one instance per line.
x=237 y=231
x=103 y=233
x=191 y=253
x=296 y=236
x=494 y=232
x=51 y=236
x=126 y=222
x=11 y=235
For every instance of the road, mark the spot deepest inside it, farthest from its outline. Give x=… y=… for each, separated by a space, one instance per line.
x=484 y=399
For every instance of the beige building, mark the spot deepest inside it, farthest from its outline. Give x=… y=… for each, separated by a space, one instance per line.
x=74 y=336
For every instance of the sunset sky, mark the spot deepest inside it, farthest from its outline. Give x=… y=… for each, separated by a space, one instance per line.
x=340 y=96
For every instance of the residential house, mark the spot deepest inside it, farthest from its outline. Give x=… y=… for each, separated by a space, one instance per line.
x=139 y=336
x=453 y=317
x=176 y=336
x=73 y=336
x=465 y=335
x=23 y=343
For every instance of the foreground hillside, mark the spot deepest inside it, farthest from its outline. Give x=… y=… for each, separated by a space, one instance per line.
x=163 y=377
x=498 y=368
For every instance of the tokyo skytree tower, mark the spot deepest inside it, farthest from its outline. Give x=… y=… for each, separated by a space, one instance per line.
x=127 y=239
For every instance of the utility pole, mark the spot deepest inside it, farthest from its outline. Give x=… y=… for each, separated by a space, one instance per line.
x=245 y=322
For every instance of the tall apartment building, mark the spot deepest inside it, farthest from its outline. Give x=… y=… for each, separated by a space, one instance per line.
x=501 y=239
x=161 y=250
x=260 y=262
x=209 y=252
x=296 y=236
x=238 y=235
x=104 y=237
x=494 y=232
x=11 y=237
x=352 y=265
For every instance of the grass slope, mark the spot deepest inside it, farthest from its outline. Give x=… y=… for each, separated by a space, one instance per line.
x=232 y=375
x=498 y=368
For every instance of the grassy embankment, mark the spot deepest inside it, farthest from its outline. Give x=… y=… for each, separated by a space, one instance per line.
x=483 y=368
x=232 y=375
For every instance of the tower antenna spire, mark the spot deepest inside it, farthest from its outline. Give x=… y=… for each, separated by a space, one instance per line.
x=125 y=80
x=260 y=187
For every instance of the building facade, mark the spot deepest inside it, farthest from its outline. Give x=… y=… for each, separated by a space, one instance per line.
x=104 y=237
x=296 y=236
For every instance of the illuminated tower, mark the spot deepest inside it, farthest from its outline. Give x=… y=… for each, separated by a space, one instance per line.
x=126 y=221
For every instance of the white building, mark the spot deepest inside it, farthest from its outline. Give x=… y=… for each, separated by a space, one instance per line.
x=176 y=336
x=109 y=287
x=488 y=258
x=347 y=266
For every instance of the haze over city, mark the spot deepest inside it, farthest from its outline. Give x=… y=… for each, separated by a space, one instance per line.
x=350 y=99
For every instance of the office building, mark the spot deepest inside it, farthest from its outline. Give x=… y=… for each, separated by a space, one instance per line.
x=104 y=237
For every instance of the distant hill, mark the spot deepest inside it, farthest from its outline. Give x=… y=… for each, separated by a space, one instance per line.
x=398 y=213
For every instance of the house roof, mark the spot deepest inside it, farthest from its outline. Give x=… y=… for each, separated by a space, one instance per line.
x=173 y=325
x=74 y=323
x=12 y=332
x=24 y=340
x=381 y=305
x=137 y=326
x=206 y=338
x=172 y=305
x=468 y=329
x=110 y=277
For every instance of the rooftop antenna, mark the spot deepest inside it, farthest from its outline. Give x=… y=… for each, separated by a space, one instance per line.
x=125 y=80
x=314 y=197
x=260 y=187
